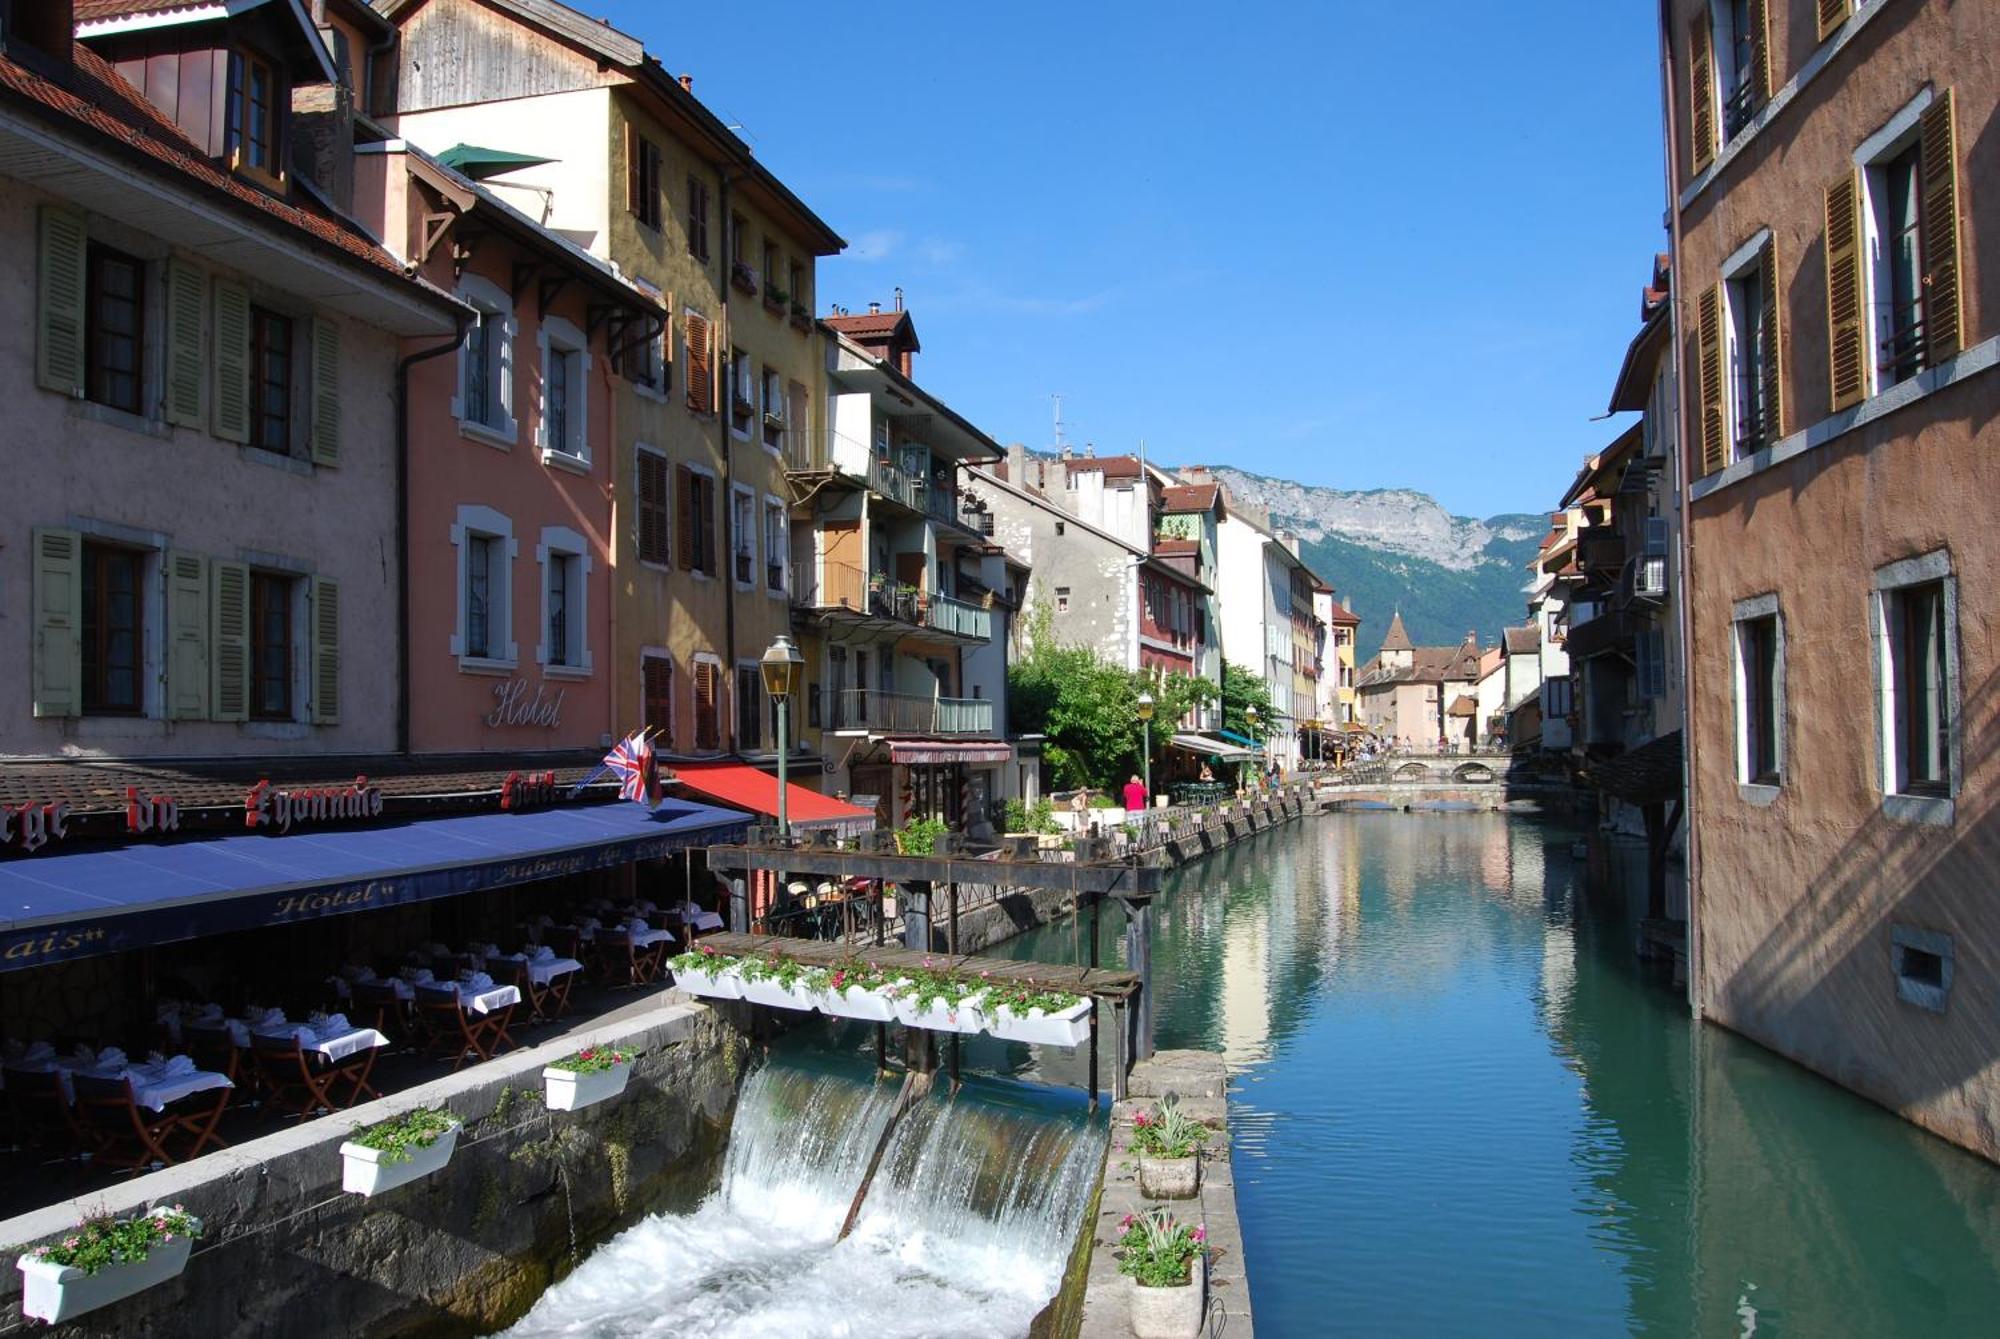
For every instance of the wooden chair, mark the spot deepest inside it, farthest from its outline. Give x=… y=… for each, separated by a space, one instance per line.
x=451 y=1032
x=625 y=963
x=125 y=1134
x=40 y=1111
x=352 y=1072
x=292 y=1079
x=544 y=1002
x=565 y=940
x=376 y=1004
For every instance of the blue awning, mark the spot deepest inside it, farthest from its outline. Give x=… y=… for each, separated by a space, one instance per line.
x=85 y=903
x=1233 y=737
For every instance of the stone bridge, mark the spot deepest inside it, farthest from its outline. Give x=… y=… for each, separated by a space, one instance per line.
x=1408 y=769
x=1443 y=780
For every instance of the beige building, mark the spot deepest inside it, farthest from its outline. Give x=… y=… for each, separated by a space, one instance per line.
x=1836 y=304
x=1422 y=697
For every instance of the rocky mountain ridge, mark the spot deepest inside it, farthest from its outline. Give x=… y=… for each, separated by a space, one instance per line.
x=1399 y=520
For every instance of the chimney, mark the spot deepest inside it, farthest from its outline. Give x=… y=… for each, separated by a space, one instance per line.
x=874 y=309
x=47 y=25
x=1017 y=464
x=687 y=83
x=899 y=297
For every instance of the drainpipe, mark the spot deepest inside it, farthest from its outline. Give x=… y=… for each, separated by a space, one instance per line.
x=402 y=408
x=1684 y=551
x=726 y=409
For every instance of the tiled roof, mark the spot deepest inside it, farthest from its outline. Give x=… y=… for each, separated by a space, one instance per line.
x=1188 y=497
x=872 y=323
x=92 y=11
x=1342 y=614
x=1523 y=641
x=1398 y=636
x=1112 y=467
x=1167 y=548
x=90 y=95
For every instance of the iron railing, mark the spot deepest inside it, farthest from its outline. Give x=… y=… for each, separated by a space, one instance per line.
x=907 y=713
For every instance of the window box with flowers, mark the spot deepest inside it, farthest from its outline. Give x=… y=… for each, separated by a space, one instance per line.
x=744 y=276
x=703 y=971
x=592 y=1075
x=802 y=317
x=398 y=1151
x=777 y=299
x=854 y=990
x=106 y=1261
x=777 y=981
x=939 y=1001
x=1166 y=1261
x=1020 y=1012
x=1169 y=1143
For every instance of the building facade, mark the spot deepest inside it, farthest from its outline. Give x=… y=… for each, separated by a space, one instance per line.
x=1835 y=307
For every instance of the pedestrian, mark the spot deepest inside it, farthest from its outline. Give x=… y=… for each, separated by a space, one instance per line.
x=1135 y=796
x=1207 y=773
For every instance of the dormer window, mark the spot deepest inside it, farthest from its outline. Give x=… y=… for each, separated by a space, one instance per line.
x=251 y=128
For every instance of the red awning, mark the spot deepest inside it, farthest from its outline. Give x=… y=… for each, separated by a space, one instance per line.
x=927 y=751
x=750 y=788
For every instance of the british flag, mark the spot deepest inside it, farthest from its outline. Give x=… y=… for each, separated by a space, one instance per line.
x=632 y=760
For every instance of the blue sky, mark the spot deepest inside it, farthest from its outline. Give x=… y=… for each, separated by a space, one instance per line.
x=1356 y=245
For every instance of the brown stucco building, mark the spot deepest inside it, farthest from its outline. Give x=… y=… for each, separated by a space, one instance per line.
x=1835 y=191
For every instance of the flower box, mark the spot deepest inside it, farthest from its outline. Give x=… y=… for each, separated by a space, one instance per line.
x=966 y=1016
x=363 y=1171
x=1064 y=1027
x=1171 y=1313
x=717 y=983
x=779 y=996
x=52 y=1292
x=857 y=1002
x=1169 y=1178
x=567 y=1090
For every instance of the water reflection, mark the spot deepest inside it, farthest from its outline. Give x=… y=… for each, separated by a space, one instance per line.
x=1463 y=1109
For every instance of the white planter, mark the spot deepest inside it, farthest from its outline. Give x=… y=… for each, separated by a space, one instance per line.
x=720 y=983
x=1065 y=1027
x=568 y=1090
x=1169 y=1178
x=51 y=1292
x=855 y=1002
x=966 y=1016
x=1171 y=1313
x=363 y=1172
x=779 y=997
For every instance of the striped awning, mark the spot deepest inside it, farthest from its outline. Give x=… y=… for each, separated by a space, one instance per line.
x=926 y=752
x=1212 y=747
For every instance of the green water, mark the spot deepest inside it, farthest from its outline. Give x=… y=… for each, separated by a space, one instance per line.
x=1461 y=1108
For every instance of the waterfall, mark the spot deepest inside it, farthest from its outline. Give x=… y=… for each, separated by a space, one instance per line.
x=964 y=1231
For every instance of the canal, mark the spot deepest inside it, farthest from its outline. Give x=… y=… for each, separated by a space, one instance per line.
x=1461 y=1107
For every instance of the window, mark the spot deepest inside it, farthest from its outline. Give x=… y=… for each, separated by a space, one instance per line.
x=1896 y=193
x=749 y=708
x=113 y=641
x=1556 y=697
x=643 y=181
x=565 y=426
x=270 y=646
x=250 y=137
x=481 y=566
x=556 y=397
x=1893 y=252
x=642 y=345
x=1742 y=54
x=486 y=361
x=697 y=219
x=653 y=508
x=484 y=632
x=114 y=324
x=743 y=534
x=1915 y=619
x=739 y=240
x=1760 y=693
x=1923 y=963
x=1061 y=527
x=1752 y=336
x=795 y=286
x=771 y=289
x=270 y=381
x=565 y=563
x=656 y=684
x=698 y=339
x=1062 y=599
x=774 y=409
x=697 y=520
x=777 y=545
x=707 y=704
x=1651 y=648
x=742 y=393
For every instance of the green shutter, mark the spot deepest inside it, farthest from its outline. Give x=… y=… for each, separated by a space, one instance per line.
x=326 y=393
x=59 y=346
x=58 y=621
x=189 y=680
x=232 y=362
x=325 y=651
x=184 y=348
x=229 y=613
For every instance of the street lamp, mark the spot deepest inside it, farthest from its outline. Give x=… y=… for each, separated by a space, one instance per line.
x=1146 y=735
x=781 y=665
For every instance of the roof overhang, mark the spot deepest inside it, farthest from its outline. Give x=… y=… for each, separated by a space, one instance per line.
x=945 y=431
x=170 y=15
x=1634 y=386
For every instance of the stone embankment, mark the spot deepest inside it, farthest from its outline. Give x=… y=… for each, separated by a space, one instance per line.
x=466 y=1250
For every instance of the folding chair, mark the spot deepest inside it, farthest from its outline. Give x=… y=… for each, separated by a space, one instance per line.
x=120 y=1131
x=291 y=1079
x=623 y=962
x=544 y=1002
x=353 y=1071
x=451 y=1032
x=376 y=1004
x=196 y=1116
x=40 y=1111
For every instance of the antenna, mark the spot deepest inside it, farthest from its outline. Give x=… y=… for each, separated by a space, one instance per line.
x=1059 y=423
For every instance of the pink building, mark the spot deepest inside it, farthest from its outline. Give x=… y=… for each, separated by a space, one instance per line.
x=512 y=436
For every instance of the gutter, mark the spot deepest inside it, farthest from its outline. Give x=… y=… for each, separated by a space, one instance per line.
x=402 y=410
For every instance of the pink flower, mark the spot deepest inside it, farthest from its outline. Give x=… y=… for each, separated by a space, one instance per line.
x=1126 y=1221
x=1200 y=1235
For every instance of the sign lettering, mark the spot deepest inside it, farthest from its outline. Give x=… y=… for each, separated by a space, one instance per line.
x=522 y=790
x=32 y=826
x=152 y=813
x=514 y=706
x=267 y=806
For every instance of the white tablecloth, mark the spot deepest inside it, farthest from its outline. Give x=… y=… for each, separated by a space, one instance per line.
x=487 y=1001
x=541 y=971
x=338 y=1046
x=152 y=1087
x=648 y=938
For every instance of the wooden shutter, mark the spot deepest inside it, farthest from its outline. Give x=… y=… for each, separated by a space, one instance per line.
x=58 y=621
x=684 y=516
x=1760 y=49
x=798 y=430
x=1771 y=344
x=652 y=508
x=707 y=709
x=701 y=363
x=1701 y=91
x=1708 y=379
x=189 y=679
x=632 y=191
x=325 y=652
x=1833 y=13
x=1847 y=341
x=186 y=289
x=325 y=392
x=232 y=362
x=61 y=301
x=229 y=658
x=705 y=523
x=1943 y=333
x=656 y=681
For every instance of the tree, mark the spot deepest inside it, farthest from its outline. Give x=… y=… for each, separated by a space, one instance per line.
x=1242 y=690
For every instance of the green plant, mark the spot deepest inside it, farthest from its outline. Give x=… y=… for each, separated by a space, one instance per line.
x=1102 y=801
x=593 y=1060
x=779 y=297
x=700 y=958
x=920 y=836
x=1167 y=1132
x=928 y=988
x=849 y=974
x=1157 y=1251
x=104 y=1241
x=1038 y=817
x=779 y=968
x=1021 y=999
x=396 y=1138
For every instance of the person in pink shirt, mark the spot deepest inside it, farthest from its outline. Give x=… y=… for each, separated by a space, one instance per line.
x=1135 y=796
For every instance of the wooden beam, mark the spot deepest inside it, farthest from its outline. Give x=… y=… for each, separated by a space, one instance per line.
x=1091 y=879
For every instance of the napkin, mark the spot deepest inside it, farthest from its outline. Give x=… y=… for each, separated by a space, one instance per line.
x=176 y=1066
x=543 y=953
x=483 y=950
x=589 y=923
x=166 y=1011
x=476 y=983
x=333 y=1025
x=637 y=926
x=39 y=1054
x=111 y=1058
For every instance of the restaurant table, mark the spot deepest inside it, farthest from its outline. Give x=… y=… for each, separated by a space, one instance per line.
x=541 y=970
x=334 y=1046
x=153 y=1084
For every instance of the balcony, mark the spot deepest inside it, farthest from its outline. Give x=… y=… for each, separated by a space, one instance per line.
x=907 y=713
x=893 y=484
x=959 y=618
x=845 y=587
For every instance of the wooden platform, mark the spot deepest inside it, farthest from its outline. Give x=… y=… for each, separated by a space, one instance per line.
x=1098 y=982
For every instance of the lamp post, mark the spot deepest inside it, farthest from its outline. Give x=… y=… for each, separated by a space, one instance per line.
x=781 y=665
x=1146 y=736
x=1250 y=720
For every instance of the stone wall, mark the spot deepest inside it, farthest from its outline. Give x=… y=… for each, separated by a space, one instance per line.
x=467 y=1250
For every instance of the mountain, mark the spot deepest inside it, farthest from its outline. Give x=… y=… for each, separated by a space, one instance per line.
x=1395 y=548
